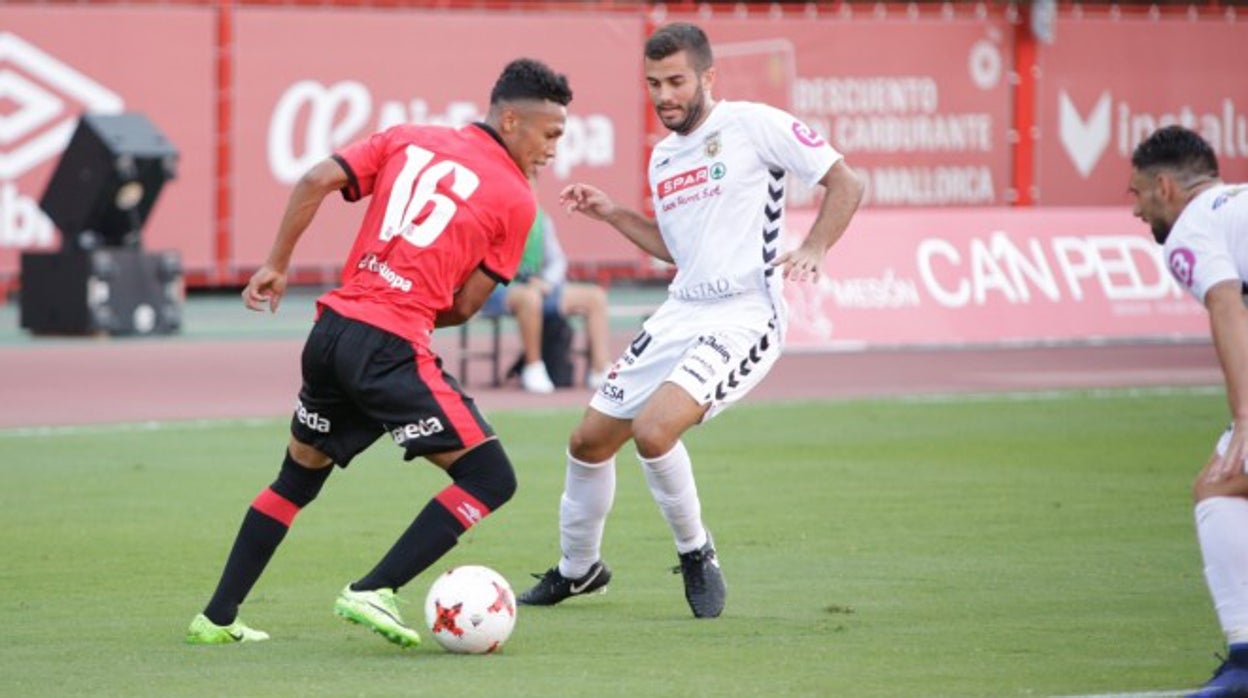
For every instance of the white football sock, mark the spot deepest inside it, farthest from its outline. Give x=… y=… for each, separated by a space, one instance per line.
x=588 y=492
x=670 y=477
x=1222 y=528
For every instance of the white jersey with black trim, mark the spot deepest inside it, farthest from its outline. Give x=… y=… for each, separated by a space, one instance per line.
x=719 y=193
x=1209 y=242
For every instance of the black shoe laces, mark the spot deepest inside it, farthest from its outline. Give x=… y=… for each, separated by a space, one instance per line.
x=691 y=562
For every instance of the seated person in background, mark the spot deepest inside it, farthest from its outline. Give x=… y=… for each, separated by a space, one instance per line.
x=541 y=288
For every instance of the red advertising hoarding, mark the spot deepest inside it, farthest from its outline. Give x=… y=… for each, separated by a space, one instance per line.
x=925 y=119
x=957 y=277
x=59 y=62
x=313 y=80
x=1093 y=111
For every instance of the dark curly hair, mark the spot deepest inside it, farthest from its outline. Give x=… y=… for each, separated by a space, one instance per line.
x=526 y=78
x=1177 y=148
x=681 y=36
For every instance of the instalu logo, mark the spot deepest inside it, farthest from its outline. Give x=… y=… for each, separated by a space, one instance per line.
x=1085 y=139
x=41 y=125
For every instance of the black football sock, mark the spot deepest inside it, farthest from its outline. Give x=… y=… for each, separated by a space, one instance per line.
x=483 y=480
x=264 y=526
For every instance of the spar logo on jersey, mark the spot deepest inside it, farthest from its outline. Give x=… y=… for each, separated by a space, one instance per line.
x=1183 y=266
x=807 y=135
x=684 y=180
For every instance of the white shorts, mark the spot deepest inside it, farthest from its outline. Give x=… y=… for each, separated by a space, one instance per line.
x=716 y=350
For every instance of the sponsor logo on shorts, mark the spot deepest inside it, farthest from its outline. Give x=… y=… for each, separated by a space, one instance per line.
x=700 y=378
x=370 y=263
x=612 y=392
x=416 y=430
x=717 y=288
x=639 y=343
x=701 y=361
x=715 y=346
x=311 y=420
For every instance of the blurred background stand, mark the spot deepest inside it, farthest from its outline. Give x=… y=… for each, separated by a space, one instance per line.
x=101 y=280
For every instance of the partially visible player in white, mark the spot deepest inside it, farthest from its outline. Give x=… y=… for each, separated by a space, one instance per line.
x=1202 y=224
x=717 y=182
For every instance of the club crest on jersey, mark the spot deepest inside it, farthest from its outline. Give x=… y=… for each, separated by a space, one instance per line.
x=712 y=145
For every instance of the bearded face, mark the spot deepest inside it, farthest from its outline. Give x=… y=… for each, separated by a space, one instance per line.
x=1150 y=207
x=680 y=94
x=684 y=117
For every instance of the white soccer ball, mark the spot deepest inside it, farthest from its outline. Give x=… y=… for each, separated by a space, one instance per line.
x=470 y=610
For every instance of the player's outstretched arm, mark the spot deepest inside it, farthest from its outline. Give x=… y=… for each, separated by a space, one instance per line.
x=594 y=203
x=268 y=284
x=844 y=192
x=1228 y=319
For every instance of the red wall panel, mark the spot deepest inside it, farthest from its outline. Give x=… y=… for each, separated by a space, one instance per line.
x=310 y=81
x=990 y=276
x=921 y=107
x=56 y=63
x=1105 y=84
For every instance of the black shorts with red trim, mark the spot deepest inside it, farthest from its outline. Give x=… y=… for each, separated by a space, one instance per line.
x=361 y=382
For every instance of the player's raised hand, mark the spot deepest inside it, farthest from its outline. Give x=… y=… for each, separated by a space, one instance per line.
x=585 y=199
x=801 y=264
x=266 y=287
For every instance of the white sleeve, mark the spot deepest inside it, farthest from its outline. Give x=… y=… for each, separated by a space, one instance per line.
x=784 y=141
x=1199 y=257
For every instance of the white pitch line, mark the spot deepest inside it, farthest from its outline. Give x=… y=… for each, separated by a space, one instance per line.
x=938 y=398
x=1051 y=395
x=1143 y=694
x=130 y=427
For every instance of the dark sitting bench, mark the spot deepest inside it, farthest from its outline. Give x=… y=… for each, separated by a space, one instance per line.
x=490 y=350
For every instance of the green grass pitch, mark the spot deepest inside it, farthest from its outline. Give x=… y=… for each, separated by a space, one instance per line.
x=979 y=546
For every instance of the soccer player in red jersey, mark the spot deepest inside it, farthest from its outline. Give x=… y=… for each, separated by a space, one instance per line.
x=447 y=220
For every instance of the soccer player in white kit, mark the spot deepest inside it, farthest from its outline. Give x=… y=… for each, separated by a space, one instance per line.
x=1202 y=224
x=718 y=186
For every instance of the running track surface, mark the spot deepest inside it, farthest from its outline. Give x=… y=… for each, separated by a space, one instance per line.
x=61 y=382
